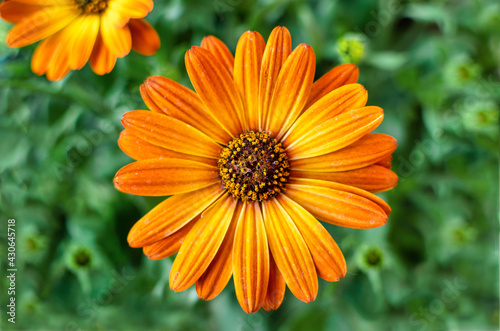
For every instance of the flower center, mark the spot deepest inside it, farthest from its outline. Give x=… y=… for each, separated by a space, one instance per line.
x=92 y=6
x=253 y=166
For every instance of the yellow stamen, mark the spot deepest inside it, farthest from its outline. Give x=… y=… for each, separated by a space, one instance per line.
x=92 y=6
x=258 y=164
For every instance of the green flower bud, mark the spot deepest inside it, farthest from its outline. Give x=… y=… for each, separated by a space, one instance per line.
x=79 y=258
x=461 y=70
x=481 y=117
x=371 y=258
x=351 y=48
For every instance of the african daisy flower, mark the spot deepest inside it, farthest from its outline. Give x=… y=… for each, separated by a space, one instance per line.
x=74 y=31
x=253 y=158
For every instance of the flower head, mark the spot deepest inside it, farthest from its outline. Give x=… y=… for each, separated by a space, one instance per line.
x=74 y=31
x=253 y=158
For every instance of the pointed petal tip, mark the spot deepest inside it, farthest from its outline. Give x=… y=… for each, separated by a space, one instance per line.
x=150 y=79
x=251 y=34
x=361 y=89
x=349 y=67
x=205 y=295
x=350 y=71
x=149 y=255
x=195 y=48
x=194 y=51
x=208 y=38
x=308 y=297
x=380 y=222
x=190 y=51
x=126 y=116
x=173 y=288
x=250 y=310
x=303 y=47
x=118 y=182
x=134 y=241
x=281 y=28
x=270 y=305
x=131 y=237
x=174 y=282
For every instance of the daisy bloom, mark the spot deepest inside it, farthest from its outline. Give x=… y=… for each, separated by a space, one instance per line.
x=74 y=31
x=253 y=158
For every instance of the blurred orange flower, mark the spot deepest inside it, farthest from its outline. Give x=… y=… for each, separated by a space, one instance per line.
x=74 y=31
x=253 y=159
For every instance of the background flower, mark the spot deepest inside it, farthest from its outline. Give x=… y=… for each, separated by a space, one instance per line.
x=59 y=155
x=74 y=31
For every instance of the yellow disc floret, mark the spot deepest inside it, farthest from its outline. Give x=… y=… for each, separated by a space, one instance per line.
x=253 y=167
x=92 y=6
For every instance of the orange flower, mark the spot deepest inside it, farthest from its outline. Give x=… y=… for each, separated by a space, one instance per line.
x=252 y=159
x=74 y=31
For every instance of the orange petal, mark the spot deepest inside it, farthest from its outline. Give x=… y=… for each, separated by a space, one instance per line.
x=41 y=25
x=15 y=12
x=247 y=72
x=386 y=162
x=336 y=133
x=102 y=60
x=131 y=8
x=170 y=245
x=148 y=101
x=216 y=89
x=59 y=68
x=84 y=29
x=278 y=47
x=45 y=2
x=118 y=40
x=59 y=60
x=140 y=149
x=276 y=287
x=161 y=177
x=341 y=100
x=44 y=53
x=251 y=259
x=145 y=39
x=180 y=102
x=341 y=75
x=329 y=260
x=171 y=215
x=366 y=151
x=290 y=252
x=170 y=133
x=337 y=207
x=291 y=90
x=346 y=188
x=202 y=243
x=220 y=51
x=373 y=178
x=219 y=272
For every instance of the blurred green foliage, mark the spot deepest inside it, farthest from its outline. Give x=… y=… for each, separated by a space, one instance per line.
x=432 y=65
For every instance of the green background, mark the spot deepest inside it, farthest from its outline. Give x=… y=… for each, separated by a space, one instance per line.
x=433 y=66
